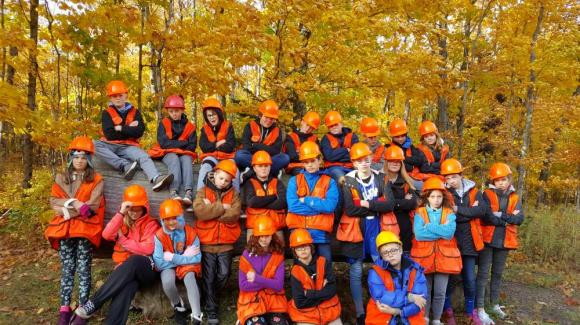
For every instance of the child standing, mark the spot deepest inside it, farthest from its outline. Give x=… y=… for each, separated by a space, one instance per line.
x=308 y=125
x=434 y=246
x=177 y=255
x=335 y=146
x=217 y=207
x=314 y=298
x=262 y=299
x=500 y=235
x=369 y=127
x=312 y=198
x=432 y=145
x=77 y=199
x=176 y=142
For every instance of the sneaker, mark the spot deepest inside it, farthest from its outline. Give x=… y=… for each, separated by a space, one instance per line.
x=280 y=173
x=474 y=318
x=162 y=181
x=130 y=172
x=175 y=196
x=180 y=316
x=77 y=320
x=484 y=318
x=86 y=310
x=449 y=316
x=245 y=175
x=188 y=198
x=212 y=318
x=497 y=309
x=360 y=320
x=65 y=316
x=436 y=322
x=196 y=320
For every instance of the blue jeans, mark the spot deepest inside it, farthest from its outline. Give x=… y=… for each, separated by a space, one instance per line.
x=324 y=250
x=468 y=276
x=243 y=159
x=356 y=289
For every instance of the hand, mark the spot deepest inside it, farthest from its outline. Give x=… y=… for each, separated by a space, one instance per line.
x=168 y=256
x=408 y=196
x=206 y=201
x=191 y=251
x=418 y=300
x=251 y=276
x=86 y=211
x=497 y=214
x=134 y=123
x=77 y=205
x=118 y=128
x=220 y=142
x=324 y=283
x=476 y=203
x=125 y=207
x=226 y=206
x=301 y=200
x=516 y=212
x=454 y=208
x=364 y=204
x=120 y=233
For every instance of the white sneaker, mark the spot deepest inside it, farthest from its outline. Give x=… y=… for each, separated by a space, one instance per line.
x=426 y=320
x=436 y=322
x=484 y=317
x=497 y=309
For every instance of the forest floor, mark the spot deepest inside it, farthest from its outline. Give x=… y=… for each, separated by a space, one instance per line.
x=30 y=273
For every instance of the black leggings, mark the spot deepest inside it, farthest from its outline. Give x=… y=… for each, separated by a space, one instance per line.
x=268 y=319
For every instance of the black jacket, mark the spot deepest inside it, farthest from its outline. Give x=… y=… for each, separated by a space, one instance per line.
x=290 y=148
x=403 y=207
x=505 y=219
x=313 y=297
x=273 y=202
x=417 y=159
x=177 y=128
x=206 y=146
x=127 y=132
x=273 y=149
x=465 y=214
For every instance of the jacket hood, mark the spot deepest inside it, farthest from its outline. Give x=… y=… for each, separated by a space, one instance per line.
x=180 y=226
x=209 y=182
x=220 y=115
x=509 y=191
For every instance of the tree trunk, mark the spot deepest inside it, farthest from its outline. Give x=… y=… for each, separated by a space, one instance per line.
x=140 y=70
x=407 y=113
x=545 y=171
x=28 y=145
x=442 y=100
x=529 y=104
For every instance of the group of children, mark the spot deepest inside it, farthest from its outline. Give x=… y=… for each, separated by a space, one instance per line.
x=408 y=209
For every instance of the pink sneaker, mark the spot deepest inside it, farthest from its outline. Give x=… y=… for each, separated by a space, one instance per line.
x=449 y=316
x=474 y=318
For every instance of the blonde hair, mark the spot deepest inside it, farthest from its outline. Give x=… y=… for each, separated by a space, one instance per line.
x=438 y=141
x=403 y=173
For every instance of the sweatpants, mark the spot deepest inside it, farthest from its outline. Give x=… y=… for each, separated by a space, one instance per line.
x=436 y=288
x=168 y=279
x=76 y=256
x=494 y=258
x=121 y=156
x=122 y=285
x=216 y=270
x=181 y=166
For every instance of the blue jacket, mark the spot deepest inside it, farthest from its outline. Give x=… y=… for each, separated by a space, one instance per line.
x=178 y=235
x=398 y=298
x=434 y=230
x=338 y=154
x=312 y=205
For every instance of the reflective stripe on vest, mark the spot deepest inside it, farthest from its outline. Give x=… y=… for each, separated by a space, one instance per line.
x=211 y=137
x=117 y=120
x=257 y=134
x=511 y=231
x=157 y=152
x=190 y=234
x=278 y=216
x=323 y=221
x=214 y=232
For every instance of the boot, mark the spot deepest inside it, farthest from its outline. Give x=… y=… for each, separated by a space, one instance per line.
x=65 y=315
x=449 y=317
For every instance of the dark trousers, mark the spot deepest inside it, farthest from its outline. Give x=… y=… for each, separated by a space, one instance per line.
x=468 y=276
x=216 y=270
x=122 y=285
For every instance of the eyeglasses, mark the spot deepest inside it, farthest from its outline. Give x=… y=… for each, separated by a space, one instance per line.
x=391 y=252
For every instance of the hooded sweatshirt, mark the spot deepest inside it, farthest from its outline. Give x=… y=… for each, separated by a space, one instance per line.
x=177 y=236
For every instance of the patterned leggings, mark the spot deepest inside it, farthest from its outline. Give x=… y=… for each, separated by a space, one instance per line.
x=75 y=255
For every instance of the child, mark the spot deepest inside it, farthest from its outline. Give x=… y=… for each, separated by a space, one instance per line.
x=500 y=235
x=335 y=146
x=217 y=140
x=177 y=255
x=314 y=298
x=264 y=195
x=176 y=142
x=77 y=200
x=308 y=125
x=403 y=191
x=367 y=200
x=415 y=162
x=434 y=246
x=262 y=134
x=262 y=299
x=397 y=285
x=432 y=146
x=369 y=127
x=312 y=198
x=468 y=207
x=122 y=126
x=217 y=208
x=133 y=229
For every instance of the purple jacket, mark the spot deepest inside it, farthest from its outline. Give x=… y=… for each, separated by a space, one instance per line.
x=259 y=263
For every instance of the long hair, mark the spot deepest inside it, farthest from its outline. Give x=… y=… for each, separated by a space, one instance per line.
x=88 y=175
x=403 y=173
x=254 y=247
x=438 y=142
x=447 y=198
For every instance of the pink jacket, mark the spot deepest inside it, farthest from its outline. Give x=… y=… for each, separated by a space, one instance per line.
x=138 y=240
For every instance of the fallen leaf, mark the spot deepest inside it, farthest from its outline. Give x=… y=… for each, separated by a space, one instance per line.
x=39 y=311
x=542 y=303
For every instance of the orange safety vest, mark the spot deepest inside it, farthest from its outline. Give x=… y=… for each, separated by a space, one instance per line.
x=375 y=316
x=120 y=255
x=324 y=313
x=296 y=140
x=334 y=144
x=256 y=303
x=257 y=134
x=323 y=221
x=117 y=120
x=278 y=216
x=416 y=172
x=378 y=155
x=190 y=234
x=441 y=255
x=511 y=231
x=214 y=232
x=475 y=224
x=211 y=137
x=429 y=154
x=89 y=228
x=157 y=152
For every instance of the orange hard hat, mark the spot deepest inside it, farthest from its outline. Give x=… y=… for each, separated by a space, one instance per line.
x=82 y=143
x=332 y=118
x=499 y=170
x=116 y=87
x=312 y=119
x=394 y=153
x=261 y=157
x=264 y=226
x=136 y=194
x=228 y=166
x=397 y=127
x=359 y=150
x=269 y=108
x=433 y=183
x=308 y=150
x=451 y=166
x=212 y=103
x=170 y=208
x=174 y=101
x=300 y=237
x=370 y=127
x=427 y=127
